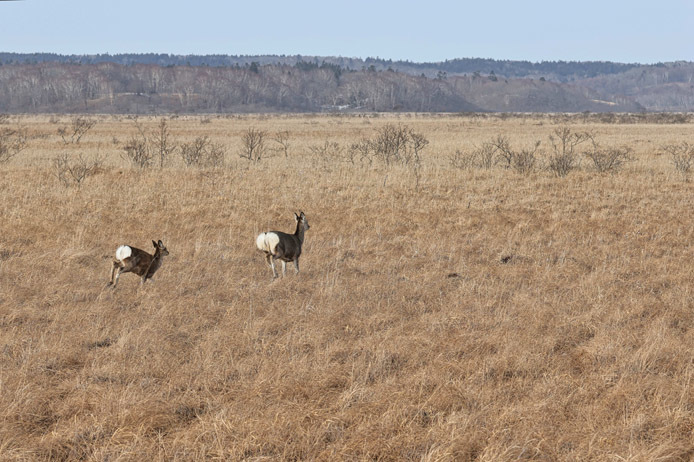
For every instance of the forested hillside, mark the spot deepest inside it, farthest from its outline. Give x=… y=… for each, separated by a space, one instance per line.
x=157 y=83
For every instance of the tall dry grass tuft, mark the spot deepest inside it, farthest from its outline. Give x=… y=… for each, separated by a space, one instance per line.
x=484 y=315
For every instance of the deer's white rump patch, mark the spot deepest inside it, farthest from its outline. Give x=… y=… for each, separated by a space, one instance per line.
x=267 y=242
x=123 y=252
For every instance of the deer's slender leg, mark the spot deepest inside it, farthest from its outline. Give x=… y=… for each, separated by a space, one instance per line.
x=272 y=265
x=296 y=265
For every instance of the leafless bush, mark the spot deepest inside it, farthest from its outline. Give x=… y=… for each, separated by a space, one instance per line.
x=12 y=142
x=328 y=150
x=463 y=160
x=360 y=152
x=564 y=158
x=483 y=157
x=524 y=161
x=79 y=127
x=74 y=170
x=398 y=144
x=504 y=151
x=253 y=144
x=681 y=156
x=608 y=159
x=201 y=152
x=163 y=146
x=215 y=155
x=4 y=118
x=282 y=138
x=138 y=150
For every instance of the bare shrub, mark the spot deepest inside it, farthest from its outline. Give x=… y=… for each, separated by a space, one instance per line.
x=681 y=156
x=608 y=159
x=253 y=145
x=70 y=170
x=564 y=158
x=463 y=160
x=328 y=150
x=201 y=152
x=138 y=150
x=360 y=152
x=79 y=126
x=164 y=147
x=504 y=151
x=483 y=157
x=524 y=161
x=12 y=142
x=282 y=138
x=398 y=144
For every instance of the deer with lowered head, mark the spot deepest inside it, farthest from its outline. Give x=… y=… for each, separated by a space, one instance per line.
x=282 y=246
x=133 y=260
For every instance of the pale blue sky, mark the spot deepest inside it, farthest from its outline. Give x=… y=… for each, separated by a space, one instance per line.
x=427 y=30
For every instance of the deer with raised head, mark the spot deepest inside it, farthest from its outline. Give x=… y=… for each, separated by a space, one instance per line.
x=133 y=260
x=282 y=246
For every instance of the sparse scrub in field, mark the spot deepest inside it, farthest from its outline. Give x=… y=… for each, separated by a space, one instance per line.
x=70 y=170
x=79 y=126
x=163 y=145
x=360 y=152
x=253 y=145
x=608 y=159
x=201 y=152
x=281 y=137
x=525 y=160
x=681 y=156
x=398 y=144
x=564 y=158
x=463 y=160
x=504 y=152
x=138 y=150
x=522 y=161
x=12 y=142
x=4 y=118
x=328 y=150
x=483 y=157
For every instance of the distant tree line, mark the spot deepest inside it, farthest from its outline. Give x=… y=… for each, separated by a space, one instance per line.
x=559 y=70
x=35 y=83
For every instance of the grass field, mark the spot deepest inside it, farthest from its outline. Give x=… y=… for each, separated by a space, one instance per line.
x=440 y=313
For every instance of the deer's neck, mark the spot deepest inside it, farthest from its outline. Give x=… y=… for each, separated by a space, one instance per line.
x=299 y=233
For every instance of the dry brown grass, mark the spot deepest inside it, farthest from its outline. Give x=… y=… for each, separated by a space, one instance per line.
x=484 y=315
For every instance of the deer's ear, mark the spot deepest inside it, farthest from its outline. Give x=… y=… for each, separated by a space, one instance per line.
x=301 y=214
x=296 y=217
x=154 y=244
x=160 y=244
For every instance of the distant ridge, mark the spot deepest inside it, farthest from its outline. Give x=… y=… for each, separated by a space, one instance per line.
x=560 y=70
x=158 y=83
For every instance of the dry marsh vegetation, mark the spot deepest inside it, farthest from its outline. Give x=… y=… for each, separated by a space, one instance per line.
x=442 y=313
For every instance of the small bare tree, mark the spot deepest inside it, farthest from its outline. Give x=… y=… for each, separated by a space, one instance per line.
x=79 y=127
x=163 y=145
x=681 y=156
x=282 y=138
x=138 y=149
x=73 y=171
x=12 y=142
x=253 y=144
x=504 y=151
x=483 y=157
x=608 y=159
x=524 y=161
x=201 y=152
x=564 y=158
